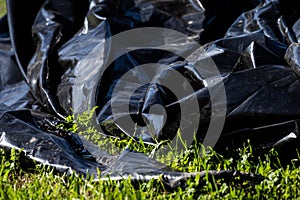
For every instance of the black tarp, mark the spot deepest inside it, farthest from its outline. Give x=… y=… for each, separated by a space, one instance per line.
x=49 y=71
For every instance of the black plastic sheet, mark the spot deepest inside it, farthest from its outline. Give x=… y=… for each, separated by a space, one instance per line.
x=52 y=65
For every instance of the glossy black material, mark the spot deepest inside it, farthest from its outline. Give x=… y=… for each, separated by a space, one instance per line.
x=254 y=44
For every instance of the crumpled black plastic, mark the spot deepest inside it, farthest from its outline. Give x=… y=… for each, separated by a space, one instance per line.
x=254 y=44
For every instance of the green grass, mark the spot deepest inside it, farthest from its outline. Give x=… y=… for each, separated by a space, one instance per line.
x=2 y=7
x=21 y=179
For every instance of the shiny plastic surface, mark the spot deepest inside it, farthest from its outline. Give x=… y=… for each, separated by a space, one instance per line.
x=45 y=77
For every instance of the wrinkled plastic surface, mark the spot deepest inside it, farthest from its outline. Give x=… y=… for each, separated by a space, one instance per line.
x=254 y=44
